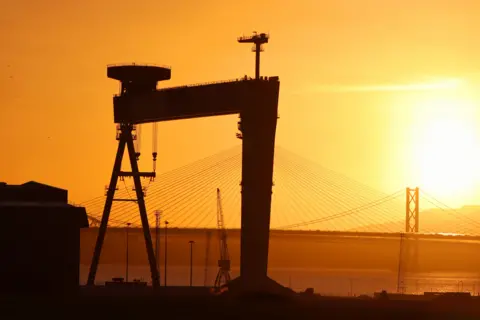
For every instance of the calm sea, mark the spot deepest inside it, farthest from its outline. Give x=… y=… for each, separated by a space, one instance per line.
x=340 y=282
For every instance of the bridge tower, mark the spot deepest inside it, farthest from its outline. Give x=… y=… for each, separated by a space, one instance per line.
x=258 y=40
x=135 y=80
x=409 y=246
x=412 y=210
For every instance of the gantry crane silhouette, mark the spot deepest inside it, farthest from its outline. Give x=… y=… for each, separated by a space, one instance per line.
x=256 y=100
x=223 y=275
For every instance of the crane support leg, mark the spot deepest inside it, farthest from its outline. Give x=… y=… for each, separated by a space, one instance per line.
x=143 y=214
x=106 y=211
x=258 y=131
x=125 y=139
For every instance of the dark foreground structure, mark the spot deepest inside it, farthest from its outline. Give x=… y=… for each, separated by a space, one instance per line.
x=39 y=241
x=247 y=307
x=256 y=102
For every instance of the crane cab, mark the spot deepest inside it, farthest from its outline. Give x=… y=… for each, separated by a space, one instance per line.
x=137 y=79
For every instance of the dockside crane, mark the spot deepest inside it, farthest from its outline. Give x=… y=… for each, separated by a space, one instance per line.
x=223 y=275
x=255 y=100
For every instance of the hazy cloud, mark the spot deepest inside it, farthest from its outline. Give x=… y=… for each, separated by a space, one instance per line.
x=421 y=86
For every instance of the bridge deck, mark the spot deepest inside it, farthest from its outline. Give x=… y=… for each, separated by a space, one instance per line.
x=352 y=234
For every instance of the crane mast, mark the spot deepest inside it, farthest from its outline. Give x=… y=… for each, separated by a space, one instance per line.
x=223 y=275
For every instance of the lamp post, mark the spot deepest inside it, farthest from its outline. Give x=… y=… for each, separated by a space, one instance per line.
x=165 y=276
x=126 y=260
x=191 y=261
x=157 y=238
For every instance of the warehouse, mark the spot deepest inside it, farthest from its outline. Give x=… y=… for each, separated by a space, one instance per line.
x=40 y=240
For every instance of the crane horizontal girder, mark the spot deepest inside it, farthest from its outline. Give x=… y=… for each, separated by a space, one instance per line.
x=186 y=102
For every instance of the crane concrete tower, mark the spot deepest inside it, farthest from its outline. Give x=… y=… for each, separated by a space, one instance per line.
x=258 y=40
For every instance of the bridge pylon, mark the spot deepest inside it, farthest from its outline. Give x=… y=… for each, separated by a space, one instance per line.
x=412 y=210
x=409 y=246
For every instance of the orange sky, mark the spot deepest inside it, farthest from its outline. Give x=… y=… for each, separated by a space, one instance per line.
x=359 y=79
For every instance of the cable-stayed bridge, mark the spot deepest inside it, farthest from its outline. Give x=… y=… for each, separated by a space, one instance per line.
x=306 y=196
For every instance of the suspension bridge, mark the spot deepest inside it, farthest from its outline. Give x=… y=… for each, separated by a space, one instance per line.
x=306 y=196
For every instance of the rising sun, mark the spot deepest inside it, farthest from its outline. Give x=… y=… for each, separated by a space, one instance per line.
x=448 y=149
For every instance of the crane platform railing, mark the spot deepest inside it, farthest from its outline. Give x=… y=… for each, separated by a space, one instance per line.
x=139 y=65
x=213 y=83
x=255 y=35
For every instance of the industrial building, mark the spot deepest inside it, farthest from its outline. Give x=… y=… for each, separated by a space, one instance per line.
x=40 y=240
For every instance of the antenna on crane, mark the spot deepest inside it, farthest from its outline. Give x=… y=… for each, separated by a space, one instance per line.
x=223 y=275
x=154 y=147
x=258 y=40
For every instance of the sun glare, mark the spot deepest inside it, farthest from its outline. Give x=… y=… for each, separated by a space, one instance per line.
x=448 y=149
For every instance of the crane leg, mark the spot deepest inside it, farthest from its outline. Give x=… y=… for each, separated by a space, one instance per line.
x=106 y=210
x=125 y=140
x=143 y=214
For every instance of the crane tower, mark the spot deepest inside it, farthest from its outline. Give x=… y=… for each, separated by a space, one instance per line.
x=223 y=275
